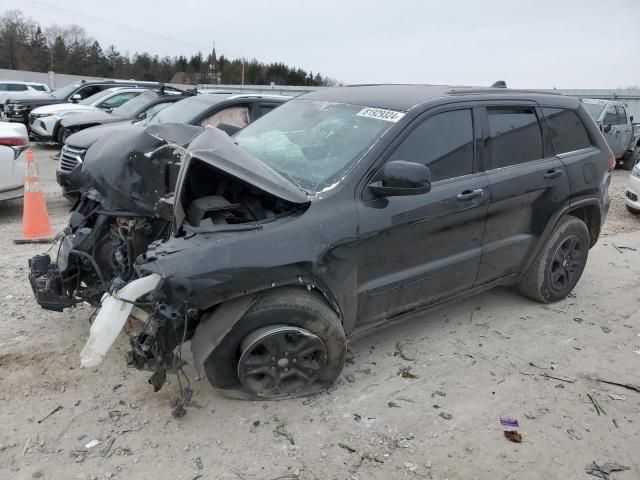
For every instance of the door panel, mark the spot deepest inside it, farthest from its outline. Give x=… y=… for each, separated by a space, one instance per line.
x=416 y=250
x=523 y=200
x=526 y=189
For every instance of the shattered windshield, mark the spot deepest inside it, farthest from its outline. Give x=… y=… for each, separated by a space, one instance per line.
x=129 y=109
x=594 y=109
x=314 y=143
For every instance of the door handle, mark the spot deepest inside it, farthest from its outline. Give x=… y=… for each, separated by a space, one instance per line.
x=552 y=174
x=470 y=194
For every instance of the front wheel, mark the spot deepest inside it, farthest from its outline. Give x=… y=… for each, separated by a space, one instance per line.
x=290 y=343
x=560 y=264
x=61 y=135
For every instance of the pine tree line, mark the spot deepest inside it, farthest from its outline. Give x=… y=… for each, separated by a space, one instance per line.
x=25 y=45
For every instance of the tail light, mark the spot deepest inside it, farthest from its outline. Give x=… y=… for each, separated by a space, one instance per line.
x=14 y=141
x=612 y=162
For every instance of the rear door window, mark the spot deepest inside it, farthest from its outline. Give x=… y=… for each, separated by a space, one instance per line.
x=516 y=136
x=567 y=131
x=444 y=143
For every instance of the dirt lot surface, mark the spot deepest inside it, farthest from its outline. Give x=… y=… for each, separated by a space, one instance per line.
x=491 y=356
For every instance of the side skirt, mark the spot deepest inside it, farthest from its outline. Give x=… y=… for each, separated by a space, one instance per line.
x=359 y=332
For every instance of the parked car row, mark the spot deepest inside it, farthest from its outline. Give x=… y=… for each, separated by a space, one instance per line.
x=234 y=111
x=18 y=106
x=336 y=213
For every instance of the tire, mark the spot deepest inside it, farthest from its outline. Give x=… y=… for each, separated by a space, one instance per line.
x=630 y=161
x=60 y=136
x=281 y=308
x=632 y=210
x=544 y=281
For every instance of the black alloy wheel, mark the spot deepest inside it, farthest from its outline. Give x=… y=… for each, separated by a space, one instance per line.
x=567 y=263
x=280 y=360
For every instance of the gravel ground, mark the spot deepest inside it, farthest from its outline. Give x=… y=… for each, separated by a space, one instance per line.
x=493 y=355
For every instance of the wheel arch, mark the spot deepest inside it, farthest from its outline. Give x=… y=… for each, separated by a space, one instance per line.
x=591 y=215
x=587 y=210
x=217 y=322
x=56 y=129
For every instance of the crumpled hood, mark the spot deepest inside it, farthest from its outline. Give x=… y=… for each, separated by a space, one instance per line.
x=86 y=138
x=131 y=170
x=216 y=148
x=85 y=118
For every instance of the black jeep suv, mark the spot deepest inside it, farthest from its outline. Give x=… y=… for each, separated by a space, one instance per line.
x=347 y=209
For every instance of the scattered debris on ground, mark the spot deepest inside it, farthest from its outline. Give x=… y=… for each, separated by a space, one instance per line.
x=513 y=436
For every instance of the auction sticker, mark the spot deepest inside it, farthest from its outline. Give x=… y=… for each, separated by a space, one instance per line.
x=381 y=114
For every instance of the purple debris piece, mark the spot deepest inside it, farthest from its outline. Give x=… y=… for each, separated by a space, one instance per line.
x=509 y=422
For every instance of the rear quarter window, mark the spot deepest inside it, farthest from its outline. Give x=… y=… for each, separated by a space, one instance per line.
x=567 y=131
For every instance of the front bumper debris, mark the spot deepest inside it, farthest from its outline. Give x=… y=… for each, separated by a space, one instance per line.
x=46 y=282
x=114 y=312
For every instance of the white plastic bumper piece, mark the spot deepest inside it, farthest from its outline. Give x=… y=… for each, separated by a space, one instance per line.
x=112 y=317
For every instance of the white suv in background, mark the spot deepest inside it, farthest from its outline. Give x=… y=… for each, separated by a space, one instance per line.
x=44 y=121
x=14 y=139
x=23 y=87
x=633 y=191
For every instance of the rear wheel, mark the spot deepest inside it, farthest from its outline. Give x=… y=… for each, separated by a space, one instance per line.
x=560 y=264
x=290 y=343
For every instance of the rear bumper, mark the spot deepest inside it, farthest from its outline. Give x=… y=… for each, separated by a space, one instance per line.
x=11 y=194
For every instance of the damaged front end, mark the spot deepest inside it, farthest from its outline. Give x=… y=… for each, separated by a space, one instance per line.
x=133 y=175
x=223 y=196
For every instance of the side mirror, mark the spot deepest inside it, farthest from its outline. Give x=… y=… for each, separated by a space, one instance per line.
x=607 y=128
x=76 y=97
x=230 y=129
x=142 y=116
x=402 y=178
x=631 y=118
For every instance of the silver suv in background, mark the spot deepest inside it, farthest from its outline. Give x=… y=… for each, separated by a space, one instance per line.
x=622 y=135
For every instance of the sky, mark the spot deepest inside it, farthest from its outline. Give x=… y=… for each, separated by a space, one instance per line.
x=529 y=44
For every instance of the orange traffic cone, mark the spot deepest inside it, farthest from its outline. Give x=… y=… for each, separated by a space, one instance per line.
x=36 y=227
